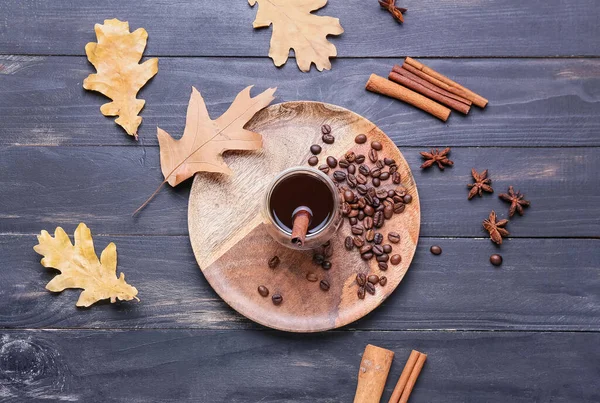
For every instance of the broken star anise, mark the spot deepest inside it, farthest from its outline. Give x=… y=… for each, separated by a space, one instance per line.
x=390 y=5
x=482 y=183
x=516 y=199
x=435 y=156
x=495 y=228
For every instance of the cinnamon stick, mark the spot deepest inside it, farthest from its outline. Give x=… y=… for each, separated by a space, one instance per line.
x=403 y=71
x=475 y=98
x=372 y=374
x=434 y=81
x=422 y=89
x=301 y=217
x=412 y=379
x=408 y=368
x=386 y=87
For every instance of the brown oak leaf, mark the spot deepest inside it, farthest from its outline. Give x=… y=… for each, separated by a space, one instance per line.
x=204 y=140
x=80 y=268
x=119 y=75
x=495 y=228
x=294 y=27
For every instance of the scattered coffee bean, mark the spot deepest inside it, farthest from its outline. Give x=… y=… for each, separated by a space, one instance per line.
x=393 y=170
x=360 y=139
x=378 y=250
x=387 y=248
x=375 y=172
x=277 y=299
x=344 y=164
x=348 y=244
x=370 y=235
x=376 y=182
x=394 y=237
x=324 y=168
x=407 y=199
x=399 y=208
x=312 y=161
x=358 y=241
x=370 y=288
x=383 y=258
x=353 y=213
x=395 y=259
x=373 y=156
x=384 y=176
x=367 y=256
x=274 y=262
x=373 y=279
x=496 y=259
x=361 y=292
x=369 y=210
x=350 y=156
x=326 y=129
x=348 y=196
x=326 y=265
x=376 y=203
x=435 y=249
x=351 y=179
x=361 y=279
x=339 y=176
x=378 y=238
x=362 y=189
x=351 y=169
x=368 y=222
x=331 y=162
x=396 y=178
x=318 y=258
x=353 y=220
x=364 y=170
x=365 y=248
x=388 y=161
x=360 y=158
x=372 y=192
x=315 y=149
x=379 y=164
x=263 y=291
x=324 y=284
x=376 y=145
x=362 y=203
x=346 y=209
x=361 y=179
x=378 y=219
x=357 y=229
x=382 y=281
x=382 y=266
x=391 y=193
x=328 y=139
x=388 y=211
x=381 y=193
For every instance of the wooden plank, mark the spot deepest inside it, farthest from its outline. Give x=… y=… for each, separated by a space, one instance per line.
x=543 y=284
x=250 y=366
x=47 y=186
x=224 y=28
x=551 y=102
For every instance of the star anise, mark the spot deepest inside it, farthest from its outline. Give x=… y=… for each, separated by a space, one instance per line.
x=495 y=228
x=516 y=199
x=435 y=156
x=482 y=183
x=390 y=5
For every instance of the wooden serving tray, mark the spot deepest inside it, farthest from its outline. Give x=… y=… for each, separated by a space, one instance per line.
x=232 y=246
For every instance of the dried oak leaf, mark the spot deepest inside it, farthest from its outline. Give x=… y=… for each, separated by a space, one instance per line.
x=495 y=228
x=204 y=140
x=119 y=75
x=294 y=27
x=437 y=157
x=482 y=183
x=516 y=199
x=80 y=268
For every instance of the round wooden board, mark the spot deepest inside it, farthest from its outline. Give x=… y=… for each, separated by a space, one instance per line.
x=232 y=246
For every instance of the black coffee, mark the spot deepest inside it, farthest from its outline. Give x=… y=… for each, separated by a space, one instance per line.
x=301 y=190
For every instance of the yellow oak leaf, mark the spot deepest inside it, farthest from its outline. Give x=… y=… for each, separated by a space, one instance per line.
x=80 y=268
x=294 y=27
x=204 y=140
x=119 y=75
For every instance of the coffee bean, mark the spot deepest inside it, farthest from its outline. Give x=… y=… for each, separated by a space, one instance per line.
x=367 y=256
x=379 y=164
x=361 y=215
x=263 y=291
x=369 y=210
x=376 y=203
x=383 y=258
x=358 y=241
x=382 y=281
x=384 y=176
x=353 y=220
x=391 y=193
x=368 y=222
x=277 y=299
x=436 y=250
x=399 y=208
x=381 y=193
x=348 y=196
x=378 y=238
x=357 y=230
x=387 y=248
x=315 y=149
x=350 y=156
x=344 y=164
x=379 y=207
x=324 y=168
x=362 y=203
x=351 y=169
x=326 y=129
x=331 y=162
x=312 y=161
x=376 y=182
x=360 y=158
x=326 y=265
x=378 y=250
x=370 y=235
x=351 y=179
x=382 y=266
x=274 y=262
x=353 y=213
x=388 y=212
x=365 y=248
x=328 y=139
x=375 y=172
x=496 y=259
x=312 y=277
x=407 y=199
x=362 y=189
x=396 y=178
x=400 y=191
x=361 y=279
x=370 y=288
x=339 y=176
x=395 y=259
x=348 y=243
x=346 y=209
x=360 y=139
x=361 y=292
x=378 y=219
x=318 y=258
x=324 y=284
x=373 y=155
x=373 y=279
x=361 y=179
x=364 y=170
x=388 y=161
x=376 y=145
x=394 y=237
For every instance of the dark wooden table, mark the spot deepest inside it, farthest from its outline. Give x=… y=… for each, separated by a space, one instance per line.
x=528 y=331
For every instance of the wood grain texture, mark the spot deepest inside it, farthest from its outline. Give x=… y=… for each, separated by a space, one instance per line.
x=533 y=102
x=543 y=284
x=44 y=187
x=217 y=366
x=231 y=243
x=372 y=374
x=224 y=28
